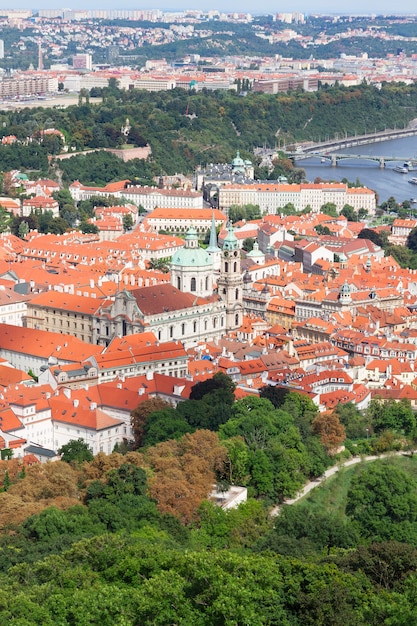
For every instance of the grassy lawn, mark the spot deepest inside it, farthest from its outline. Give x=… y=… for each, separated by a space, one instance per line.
x=331 y=495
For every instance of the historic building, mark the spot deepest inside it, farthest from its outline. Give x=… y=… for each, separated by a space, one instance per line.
x=188 y=309
x=348 y=298
x=192 y=267
x=271 y=196
x=230 y=282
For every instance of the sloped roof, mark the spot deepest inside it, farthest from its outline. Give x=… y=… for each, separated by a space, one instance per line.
x=164 y=298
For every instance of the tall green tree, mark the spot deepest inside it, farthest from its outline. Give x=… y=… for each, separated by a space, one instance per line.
x=382 y=500
x=75 y=451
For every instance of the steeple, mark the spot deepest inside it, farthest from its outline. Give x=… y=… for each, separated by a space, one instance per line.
x=230 y=242
x=213 y=249
x=230 y=283
x=213 y=235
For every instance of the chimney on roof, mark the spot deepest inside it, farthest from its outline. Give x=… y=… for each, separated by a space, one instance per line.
x=141 y=391
x=76 y=402
x=67 y=392
x=149 y=375
x=93 y=406
x=92 y=283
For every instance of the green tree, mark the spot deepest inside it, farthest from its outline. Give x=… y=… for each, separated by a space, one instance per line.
x=127 y=222
x=391 y=415
x=411 y=242
x=322 y=230
x=248 y=244
x=75 y=451
x=382 y=500
x=377 y=238
x=31 y=223
x=87 y=227
x=387 y=563
x=6 y=481
x=63 y=197
x=329 y=208
x=164 y=425
x=23 y=229
x=315 y=530
x=288 y=209
x=5 y=220
x=349 y=213
x=356 y=424
x=218 y=381
x=162 y=265
x=276 y=395
x=139 y=416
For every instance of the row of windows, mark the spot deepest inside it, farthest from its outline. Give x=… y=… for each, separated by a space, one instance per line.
x=215 y=322
x=193 y=283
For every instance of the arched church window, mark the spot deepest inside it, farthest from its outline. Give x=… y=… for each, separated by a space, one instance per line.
x=178 y=282
x=207 y=283
x=237 y=319
x=237 y=294
x=193 y=284
x=195 y=327
x=235 y=266
x=226 y=267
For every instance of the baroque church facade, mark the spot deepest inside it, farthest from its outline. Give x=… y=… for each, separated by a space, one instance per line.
x=202 y=303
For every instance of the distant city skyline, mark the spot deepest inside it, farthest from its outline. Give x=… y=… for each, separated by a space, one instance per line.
x=245 y=6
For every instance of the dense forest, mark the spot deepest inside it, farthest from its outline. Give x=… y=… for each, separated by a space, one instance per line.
x=129 y=538
x=187 y=128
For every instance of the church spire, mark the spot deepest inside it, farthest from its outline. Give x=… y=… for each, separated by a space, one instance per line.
x=213 y=247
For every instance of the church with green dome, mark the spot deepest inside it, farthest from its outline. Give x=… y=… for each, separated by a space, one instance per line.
x=192 y=267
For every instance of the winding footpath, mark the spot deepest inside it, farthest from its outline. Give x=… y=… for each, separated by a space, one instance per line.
x=331 y=472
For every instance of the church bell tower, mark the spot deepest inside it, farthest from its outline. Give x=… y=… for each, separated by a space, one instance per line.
x=230 y=283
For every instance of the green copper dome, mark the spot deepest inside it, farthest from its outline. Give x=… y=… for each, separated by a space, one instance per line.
x=230 y=242
x=191 y=255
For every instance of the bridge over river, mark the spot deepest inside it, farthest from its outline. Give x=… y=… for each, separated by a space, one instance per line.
x=327 y=149
x=409 y=164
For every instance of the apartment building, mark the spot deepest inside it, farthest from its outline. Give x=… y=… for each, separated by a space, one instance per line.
x=271 y=197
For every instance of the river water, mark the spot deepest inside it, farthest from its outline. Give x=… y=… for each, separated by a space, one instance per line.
x=385 y=181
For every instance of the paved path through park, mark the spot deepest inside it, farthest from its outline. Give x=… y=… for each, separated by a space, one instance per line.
x=331 y=472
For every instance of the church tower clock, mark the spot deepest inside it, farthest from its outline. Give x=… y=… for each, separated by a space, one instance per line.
x=230 y=283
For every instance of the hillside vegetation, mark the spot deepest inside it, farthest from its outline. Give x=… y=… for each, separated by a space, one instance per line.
x=217 y=124
x=129 y=538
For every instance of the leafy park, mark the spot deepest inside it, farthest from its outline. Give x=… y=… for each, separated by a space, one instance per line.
x=130 y=538
x=216 y=125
